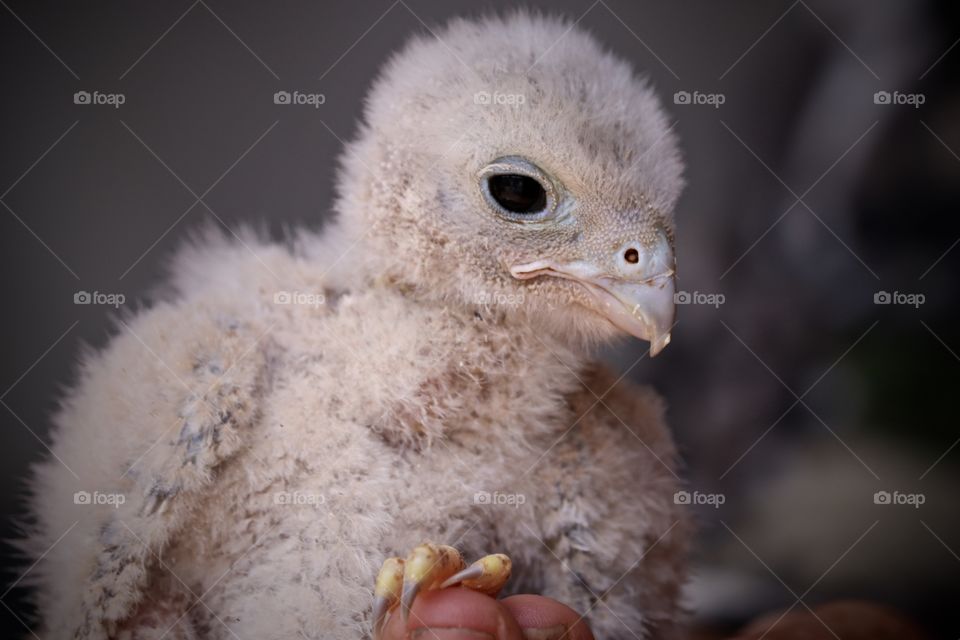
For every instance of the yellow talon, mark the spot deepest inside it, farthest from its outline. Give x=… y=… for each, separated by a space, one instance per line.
x=429 y=563
x=433 y=566
x=390 y=579
x=496 y=572
x=427 y=566
x=386 y=592
x=486 y=575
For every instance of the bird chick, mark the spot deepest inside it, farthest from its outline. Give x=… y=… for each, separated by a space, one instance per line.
x=288 y=416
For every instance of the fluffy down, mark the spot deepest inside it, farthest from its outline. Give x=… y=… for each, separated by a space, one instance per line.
x=284 y=416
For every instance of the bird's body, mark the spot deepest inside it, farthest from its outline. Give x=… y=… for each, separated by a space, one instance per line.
x=287 y=416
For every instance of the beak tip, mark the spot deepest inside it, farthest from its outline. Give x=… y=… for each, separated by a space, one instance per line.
x=658 y=344
x=642 y=307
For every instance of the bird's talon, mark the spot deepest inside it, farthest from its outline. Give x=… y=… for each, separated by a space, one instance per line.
x=432 y=566
x=427 y=566
x=486 y=575
x=386 y=592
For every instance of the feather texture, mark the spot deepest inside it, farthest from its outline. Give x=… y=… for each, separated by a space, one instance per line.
x=286 y=416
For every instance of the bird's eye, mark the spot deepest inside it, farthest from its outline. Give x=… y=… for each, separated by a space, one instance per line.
x=518 y=193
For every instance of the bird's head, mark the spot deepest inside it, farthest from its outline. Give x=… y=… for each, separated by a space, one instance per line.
x=515 y=166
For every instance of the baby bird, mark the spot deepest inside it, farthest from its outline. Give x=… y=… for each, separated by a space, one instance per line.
x=246 y=454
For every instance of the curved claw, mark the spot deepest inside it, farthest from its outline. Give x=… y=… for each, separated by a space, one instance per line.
x=432 y=566
x=427 y=566
x=472 y=572
x=410 y=592
x=486 y=575
x=381 y=606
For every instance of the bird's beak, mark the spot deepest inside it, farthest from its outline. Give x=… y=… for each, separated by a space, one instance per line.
x=640 y=302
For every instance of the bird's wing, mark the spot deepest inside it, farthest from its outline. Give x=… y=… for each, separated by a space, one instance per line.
x=205 y=375
x=175 y=395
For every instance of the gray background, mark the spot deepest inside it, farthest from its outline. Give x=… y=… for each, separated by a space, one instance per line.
x=95 y=198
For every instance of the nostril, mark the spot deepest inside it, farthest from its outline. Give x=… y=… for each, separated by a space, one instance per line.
x=631 y=255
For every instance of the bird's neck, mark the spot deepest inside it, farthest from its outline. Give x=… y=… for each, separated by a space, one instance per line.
x=478 y=372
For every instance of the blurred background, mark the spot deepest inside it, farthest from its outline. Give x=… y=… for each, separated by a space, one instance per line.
x=813 y=376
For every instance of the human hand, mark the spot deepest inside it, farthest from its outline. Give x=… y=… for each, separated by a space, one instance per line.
x=462 y=614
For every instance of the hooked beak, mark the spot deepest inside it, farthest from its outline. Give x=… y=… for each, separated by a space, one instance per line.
x=640 y=303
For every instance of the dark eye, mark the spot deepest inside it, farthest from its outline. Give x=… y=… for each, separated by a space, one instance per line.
x=518 y=193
